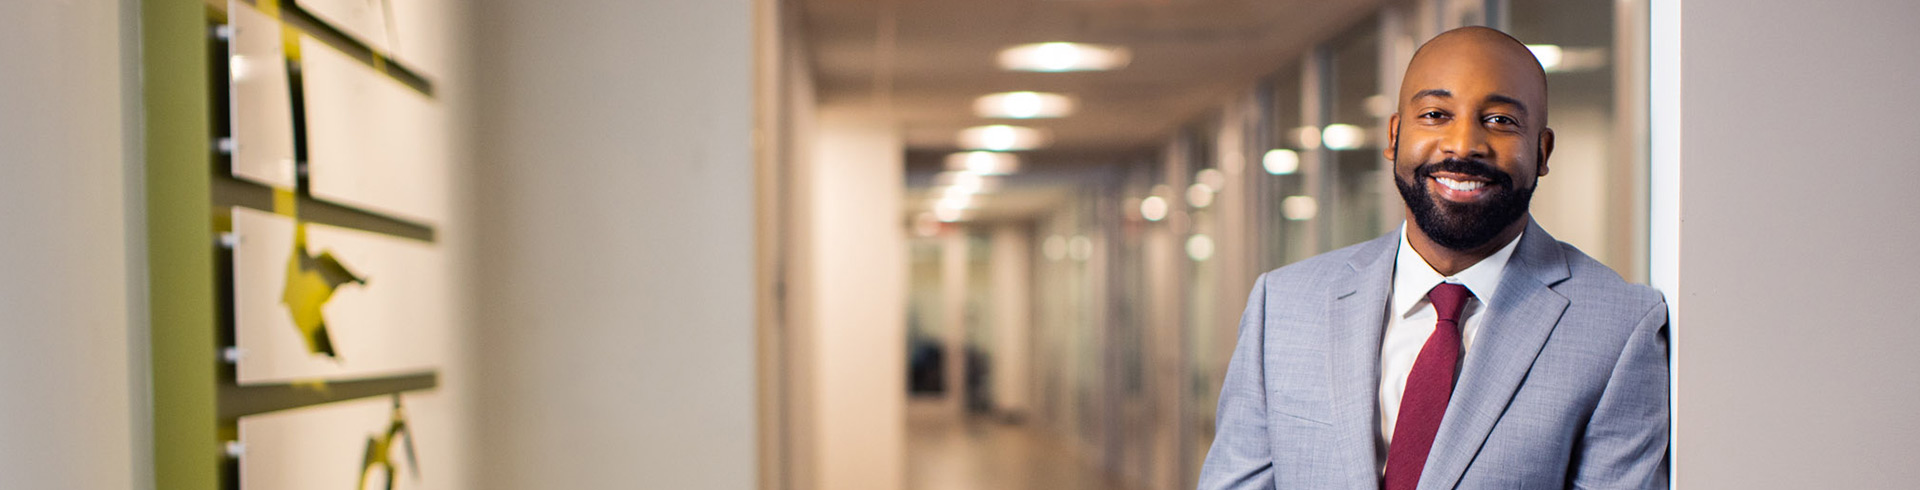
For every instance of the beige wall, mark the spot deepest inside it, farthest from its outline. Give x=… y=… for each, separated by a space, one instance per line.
x=72 y=360
x=857 y=287
x=615 y=219
x=1795 y=180
x=1011 y=250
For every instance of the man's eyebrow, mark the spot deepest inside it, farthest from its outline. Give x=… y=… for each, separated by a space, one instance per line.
x=1432 y=92
x=1502 y=99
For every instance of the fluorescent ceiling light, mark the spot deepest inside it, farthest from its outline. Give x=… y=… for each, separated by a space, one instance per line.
x=1299 y=208
x=1558 y=59
x=1023 y=105
x=1199 y=247
x=1343 y=137
x=1058 y=57
x=952 y=183
x=1153 y=208
x=1281 y=161
x=983 y=162
x=1307 y=137
x=1548 y=54
x=1001 y=137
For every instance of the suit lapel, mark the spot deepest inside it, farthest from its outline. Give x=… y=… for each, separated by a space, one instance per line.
x=1356 y=318
x=1516 y=328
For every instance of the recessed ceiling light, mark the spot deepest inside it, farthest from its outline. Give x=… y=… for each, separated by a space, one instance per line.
x=984 y=162
x=1559 y=59
x=1023 y=105
x=1001 y=137
x=1057 y=57
x=1281 y=161
x=1343 y=137
x=952 y=183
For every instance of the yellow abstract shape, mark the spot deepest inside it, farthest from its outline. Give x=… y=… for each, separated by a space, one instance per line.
x=380 y=449
x=311 y=281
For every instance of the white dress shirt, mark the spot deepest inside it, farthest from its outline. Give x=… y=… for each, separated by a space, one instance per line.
x=1410 y=319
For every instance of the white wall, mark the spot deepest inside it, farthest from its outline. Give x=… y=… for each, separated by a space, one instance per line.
x=72 y=366
x=1012 y=277
x=1796 y=210
x=615 y=214
x=856 y=287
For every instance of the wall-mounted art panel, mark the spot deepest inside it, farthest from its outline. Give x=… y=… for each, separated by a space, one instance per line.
x=372 y=143
x=347 y=304
x=422 y=36
x=353 y=445
x=261 y=105
x=364 y=20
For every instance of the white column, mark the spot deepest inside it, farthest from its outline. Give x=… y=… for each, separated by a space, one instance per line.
x=72 y=336
x=1784 y=201
x=1012 y=249
x=615 y=214
x=858 y=288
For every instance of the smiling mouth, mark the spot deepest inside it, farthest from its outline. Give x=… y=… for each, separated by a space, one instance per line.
x=1460 y=185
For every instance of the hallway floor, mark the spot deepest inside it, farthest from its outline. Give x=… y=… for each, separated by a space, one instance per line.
x=944 y=453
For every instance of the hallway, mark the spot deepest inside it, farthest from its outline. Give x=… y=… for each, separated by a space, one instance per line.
x=978 y=454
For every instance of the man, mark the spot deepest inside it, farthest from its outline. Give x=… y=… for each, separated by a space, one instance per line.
x=1468 y=350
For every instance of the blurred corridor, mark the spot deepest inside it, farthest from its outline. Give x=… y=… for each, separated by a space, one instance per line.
x=874 y=244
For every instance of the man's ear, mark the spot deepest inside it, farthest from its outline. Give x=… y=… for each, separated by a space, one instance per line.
x=1546 y=150
x=1393 y=137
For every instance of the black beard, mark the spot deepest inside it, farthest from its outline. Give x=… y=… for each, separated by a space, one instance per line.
x=1463 y=226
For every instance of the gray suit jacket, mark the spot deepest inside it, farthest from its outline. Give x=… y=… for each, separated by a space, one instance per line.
x=1565 y=387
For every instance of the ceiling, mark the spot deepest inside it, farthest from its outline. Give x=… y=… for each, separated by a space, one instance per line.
x=1189 y=57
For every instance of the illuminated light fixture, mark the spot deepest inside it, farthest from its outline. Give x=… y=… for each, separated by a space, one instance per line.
x=1548 y=54
x=1212 y=178
x=1080 y=248
x=1299 y=208
x=1343 y=137
x=1307 y=137
x=1281 y=161
x=1199 y=247
x=1153 y=208
x=1055 y=248
x=964 y=182
x=1023 y=105
x=949 y=215
x=1556 y=59
x=1059 y=57
x=1000 y=137
x=1199 y=195
x=983 y=162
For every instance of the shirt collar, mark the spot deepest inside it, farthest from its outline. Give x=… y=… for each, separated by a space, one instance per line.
x=1413 y=277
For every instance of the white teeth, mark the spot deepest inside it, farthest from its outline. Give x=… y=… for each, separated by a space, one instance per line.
x=1459 y=185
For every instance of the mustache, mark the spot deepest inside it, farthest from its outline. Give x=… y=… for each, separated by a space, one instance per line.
x=1473 y=168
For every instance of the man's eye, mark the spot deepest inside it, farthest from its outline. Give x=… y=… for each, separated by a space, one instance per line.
x=1501 y=120
x=1432 y=115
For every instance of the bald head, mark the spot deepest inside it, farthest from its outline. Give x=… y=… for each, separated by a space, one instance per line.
x=1481 y=56
x=1469 y=142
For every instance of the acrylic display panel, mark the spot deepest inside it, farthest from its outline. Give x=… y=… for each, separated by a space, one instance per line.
x=261 y=100
x=372 y=143
x=422 y=37
x=326 y=447
x=364 y=20
x=393 y=320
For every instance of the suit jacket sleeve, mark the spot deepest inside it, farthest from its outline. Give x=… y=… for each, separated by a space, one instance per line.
x=1240 y=457
x=1625 y=443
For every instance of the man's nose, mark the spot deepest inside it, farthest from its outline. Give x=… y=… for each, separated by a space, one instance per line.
x=1465 y=141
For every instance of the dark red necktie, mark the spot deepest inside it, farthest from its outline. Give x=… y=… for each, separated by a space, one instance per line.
x=1429 y=386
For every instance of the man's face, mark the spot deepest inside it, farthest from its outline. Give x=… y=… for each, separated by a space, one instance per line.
x=1470 y=140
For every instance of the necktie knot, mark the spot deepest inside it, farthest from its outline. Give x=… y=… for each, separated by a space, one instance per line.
x=1448 y=299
